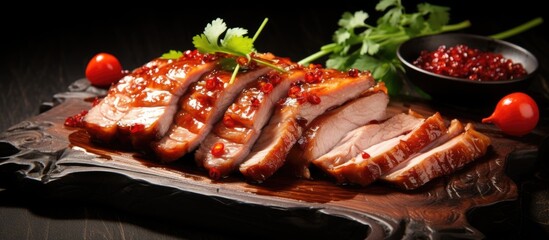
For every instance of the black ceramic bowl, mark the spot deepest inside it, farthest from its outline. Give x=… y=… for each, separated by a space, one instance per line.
x=453 y=89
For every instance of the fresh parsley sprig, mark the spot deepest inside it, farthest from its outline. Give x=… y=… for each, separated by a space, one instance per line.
x=373 y=47
x=234 y=43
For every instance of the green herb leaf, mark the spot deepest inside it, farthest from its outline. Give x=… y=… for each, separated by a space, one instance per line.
x=438 y=16
x=233 y=43
x=350 y=21
x=341 y=35
x=239 y=45
x=172 y=54
x=384 y=4
x=214 y=30
x=374 y=48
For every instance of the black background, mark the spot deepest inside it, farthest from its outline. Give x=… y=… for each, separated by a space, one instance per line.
x=47 y=46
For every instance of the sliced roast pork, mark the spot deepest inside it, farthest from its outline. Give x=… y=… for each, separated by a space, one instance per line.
x=441 y=160
x=141 y=105
x=156 y=98
x=201 y=107
x=324 y=89
x=101 y=122
x=243 y=121
x=378 y=159
x=364 y=137
x=323 y=133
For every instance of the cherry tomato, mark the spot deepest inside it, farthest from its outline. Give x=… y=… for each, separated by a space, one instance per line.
x=515 y=114
x=103 y=70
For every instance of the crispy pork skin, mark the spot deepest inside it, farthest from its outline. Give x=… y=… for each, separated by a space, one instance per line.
x=243 y=121
x=364 y=137
x=323 y=133
x=324 y=89
x=101 y=122
x=378 y=159
x=441 y=160
x=201 y=107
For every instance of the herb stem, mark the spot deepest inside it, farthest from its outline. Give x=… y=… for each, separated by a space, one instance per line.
x=328 y=47
x=233 y=76
x=518 y=29
x=260 y=29
x=313 y=57
x=268 y=64
x=457 y=26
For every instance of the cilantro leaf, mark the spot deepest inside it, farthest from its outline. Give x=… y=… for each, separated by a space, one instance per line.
x=202 y=43
x=341 y=35
x=438 y=15
x=234 y=32
x=172 y=54
x=374 y=49
x=384 y=4
x=239 y=45
x=214 y=30
x=370 y=47
x=234 y=43
x=392 y=17
x=337 y=62
x=350 y=21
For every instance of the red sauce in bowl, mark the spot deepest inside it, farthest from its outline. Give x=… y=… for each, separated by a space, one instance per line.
x=465 y=62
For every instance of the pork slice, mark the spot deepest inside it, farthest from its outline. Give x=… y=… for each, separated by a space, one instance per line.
x=440 y=160
x=101 y=120
x=202 y=106
x=378 y=159
x=364 y=137
x=303 y=104
x=242 y=123
x=323 y=133
x=155 y=100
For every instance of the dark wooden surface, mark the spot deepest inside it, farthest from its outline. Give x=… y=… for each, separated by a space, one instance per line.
x=42 y=57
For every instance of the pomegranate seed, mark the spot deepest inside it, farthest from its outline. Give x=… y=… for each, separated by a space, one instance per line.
x=77 y=120
x=211 y=83
x=255 y=102
x=274 y=78
x=313 y=99
x=228 y=121
x=242 y=61
x=314 y=66
x=294 y=91
x=218 y=149
x=210 y=57
x=267 y=88
x=464 y=62
x=353 y=72
x=309 y=77
x=365 y=155
x=70 y=122
x=302 y=97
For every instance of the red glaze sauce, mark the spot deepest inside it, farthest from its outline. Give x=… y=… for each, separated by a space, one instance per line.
x=462 y=61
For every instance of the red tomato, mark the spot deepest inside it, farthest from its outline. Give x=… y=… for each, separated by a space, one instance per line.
x=516 y=114
x=103 y=70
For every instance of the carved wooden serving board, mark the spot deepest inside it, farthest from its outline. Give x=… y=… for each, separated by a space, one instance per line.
x=53 y=161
